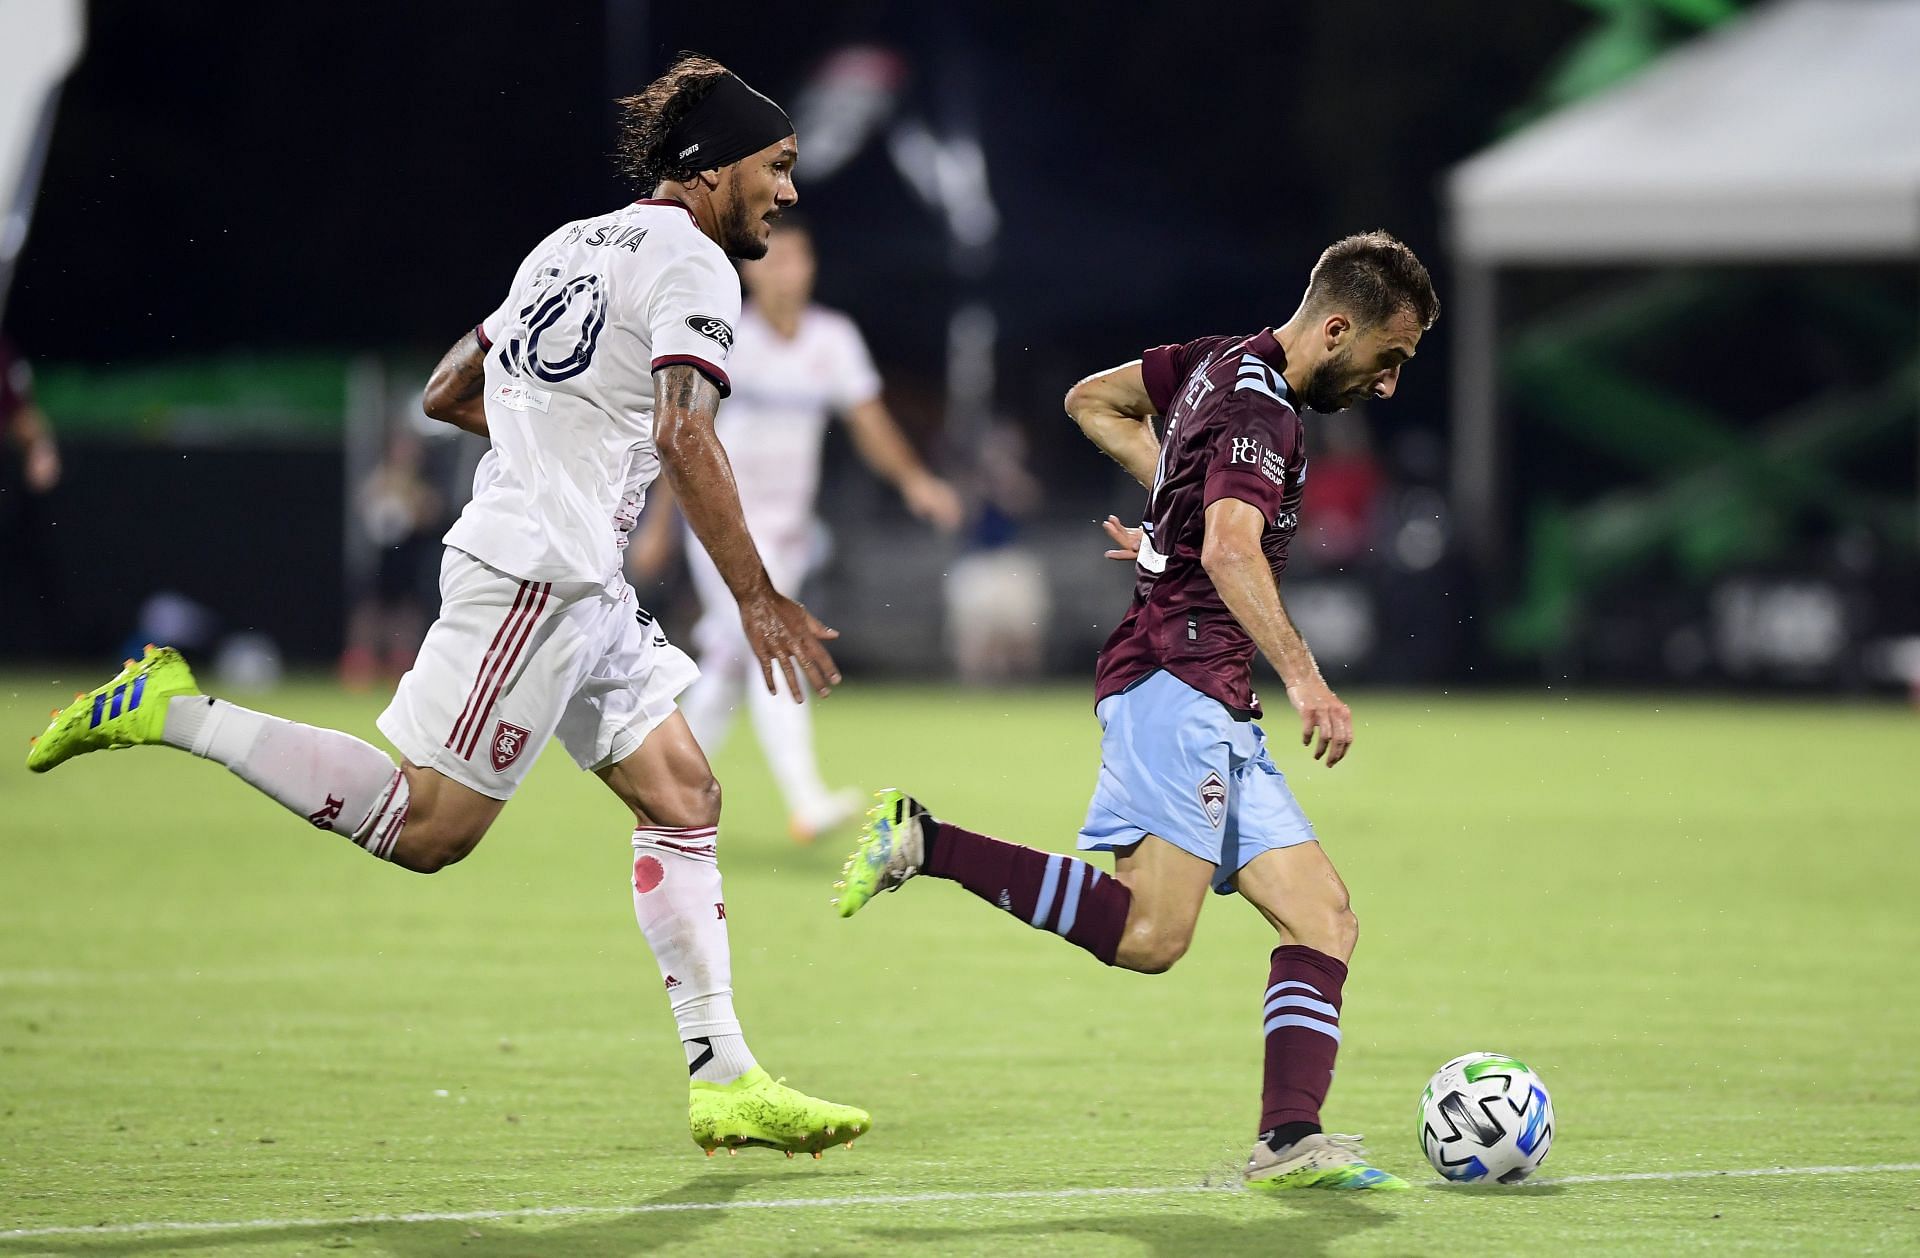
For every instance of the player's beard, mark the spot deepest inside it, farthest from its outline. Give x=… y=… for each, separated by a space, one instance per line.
x=740 y=233
x=1325 y=390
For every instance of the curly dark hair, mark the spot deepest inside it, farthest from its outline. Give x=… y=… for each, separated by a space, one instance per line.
x=648 y=116
x=1372 y=276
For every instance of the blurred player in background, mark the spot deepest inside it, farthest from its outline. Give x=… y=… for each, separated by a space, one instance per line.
x=24 y=424
x=997 y=595
x=1188 y=797
x=401 y=514
x=29 y=471
x=794 y=365
x=601 y=370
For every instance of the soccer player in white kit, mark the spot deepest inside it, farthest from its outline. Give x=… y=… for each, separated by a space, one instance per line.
x=794 y=365
x=600 y=371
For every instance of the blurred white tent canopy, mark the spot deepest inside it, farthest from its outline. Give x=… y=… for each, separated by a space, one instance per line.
x=1792 y=134
x=1789 y=135
x=39 y=42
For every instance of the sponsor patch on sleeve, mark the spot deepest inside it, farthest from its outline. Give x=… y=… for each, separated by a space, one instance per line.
x=716 y=330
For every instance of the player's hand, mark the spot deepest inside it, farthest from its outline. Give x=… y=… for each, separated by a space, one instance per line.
x=1322 y=713
x=1126 y=541
x=786 y=636
x=933 y=500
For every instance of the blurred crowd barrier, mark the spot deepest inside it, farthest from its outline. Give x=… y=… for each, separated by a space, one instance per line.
x=287 y=512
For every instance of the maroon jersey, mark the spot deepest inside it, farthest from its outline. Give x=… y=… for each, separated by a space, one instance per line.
x=1231 y=431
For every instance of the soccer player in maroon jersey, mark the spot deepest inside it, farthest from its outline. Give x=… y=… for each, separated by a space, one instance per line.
x=1187 y=797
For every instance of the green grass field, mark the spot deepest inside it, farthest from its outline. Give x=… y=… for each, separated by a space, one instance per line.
x=1697 y=920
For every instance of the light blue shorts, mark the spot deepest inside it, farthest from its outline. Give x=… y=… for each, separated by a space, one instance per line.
x=1174 y=762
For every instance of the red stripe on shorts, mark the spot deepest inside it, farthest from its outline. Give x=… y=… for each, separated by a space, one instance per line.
x=516 y=643
x=487 y=662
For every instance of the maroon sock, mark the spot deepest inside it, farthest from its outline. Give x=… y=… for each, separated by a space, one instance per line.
x=1058 y=893
x=1302 y=1028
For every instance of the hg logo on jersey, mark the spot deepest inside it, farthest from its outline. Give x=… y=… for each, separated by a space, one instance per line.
x=507 y=742
x=1246 y=450
x=715 y=330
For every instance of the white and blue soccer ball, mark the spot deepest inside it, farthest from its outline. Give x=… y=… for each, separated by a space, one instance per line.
x=1486 y=1118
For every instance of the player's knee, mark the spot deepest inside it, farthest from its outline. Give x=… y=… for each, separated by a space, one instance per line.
x=1150 y=948
x=1346 y=930
x=699 y=802
x=692 y=802
x=1158 y=955
x=431 y=849
x=706 y=801
x=1330 y=927
x=430 y=860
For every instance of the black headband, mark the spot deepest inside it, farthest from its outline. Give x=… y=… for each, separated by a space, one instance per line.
x=731 y=122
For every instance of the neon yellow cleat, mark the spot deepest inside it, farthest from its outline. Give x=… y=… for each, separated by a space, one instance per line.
x=892 y=849
x=1318 y=1161
x=757 y=1111
x=129 y=711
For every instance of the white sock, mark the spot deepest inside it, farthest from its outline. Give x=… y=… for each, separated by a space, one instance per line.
x=334 y=780
x=785 y=729
x=678 y=903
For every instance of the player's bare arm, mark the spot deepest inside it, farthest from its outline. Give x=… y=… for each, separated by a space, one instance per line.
x=1113 y=409
x=454 y=388
x=1238 y=567
x=885 y=449
x=782 y=633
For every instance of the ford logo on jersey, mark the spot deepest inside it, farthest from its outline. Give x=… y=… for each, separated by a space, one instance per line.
x=713 y=329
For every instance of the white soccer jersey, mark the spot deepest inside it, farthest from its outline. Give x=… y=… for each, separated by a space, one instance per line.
x=594 y=310
x=784 y=391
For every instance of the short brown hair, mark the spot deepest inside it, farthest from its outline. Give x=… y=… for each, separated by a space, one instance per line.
x=1372 y=277
x=647 y=117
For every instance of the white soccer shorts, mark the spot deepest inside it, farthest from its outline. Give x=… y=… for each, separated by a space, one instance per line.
x=511 y=664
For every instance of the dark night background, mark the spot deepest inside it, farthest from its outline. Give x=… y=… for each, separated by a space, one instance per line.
x=367 y=177
x=242 y=183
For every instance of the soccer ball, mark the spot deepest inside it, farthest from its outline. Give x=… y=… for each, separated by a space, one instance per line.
x=1485 y=1117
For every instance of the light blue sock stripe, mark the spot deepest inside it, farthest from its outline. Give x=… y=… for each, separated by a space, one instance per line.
x=1312 y=1024
x=1077 y=872
x=1049 y=887
x=1290 y=985
x=1299 y=1002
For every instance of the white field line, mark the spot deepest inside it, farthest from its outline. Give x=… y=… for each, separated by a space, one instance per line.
x=899 y=1199
x=1876 y=1168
